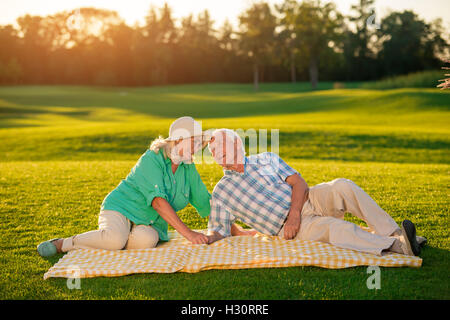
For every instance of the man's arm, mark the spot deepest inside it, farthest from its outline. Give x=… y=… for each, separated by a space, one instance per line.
x=235 y=231
x=214 y=236
x=221 y=221
x=238 y=231
x=299 y=196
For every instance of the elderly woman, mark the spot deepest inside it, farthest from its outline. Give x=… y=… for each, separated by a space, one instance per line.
x=136 y=214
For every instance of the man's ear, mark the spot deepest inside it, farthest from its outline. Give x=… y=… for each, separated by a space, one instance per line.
x=205 y=143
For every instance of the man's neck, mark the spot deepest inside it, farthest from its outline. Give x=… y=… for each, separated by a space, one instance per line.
x=240 y=168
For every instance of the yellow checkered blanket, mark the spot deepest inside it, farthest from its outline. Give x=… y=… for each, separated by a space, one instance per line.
x=178 y=255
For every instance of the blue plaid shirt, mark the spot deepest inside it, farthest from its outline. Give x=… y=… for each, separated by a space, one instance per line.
x=260 y=197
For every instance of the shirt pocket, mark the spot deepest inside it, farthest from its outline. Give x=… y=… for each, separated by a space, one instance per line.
x=270 y=176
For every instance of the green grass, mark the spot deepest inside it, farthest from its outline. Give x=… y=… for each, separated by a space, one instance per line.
x=64 y=148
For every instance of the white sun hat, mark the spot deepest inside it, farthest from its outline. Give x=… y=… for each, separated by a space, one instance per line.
x=184 y=127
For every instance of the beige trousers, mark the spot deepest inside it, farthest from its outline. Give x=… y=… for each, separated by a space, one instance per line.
x=322 y=218
x=115 y=232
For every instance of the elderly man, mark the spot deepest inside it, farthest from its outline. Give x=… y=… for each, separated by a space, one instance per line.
x=271 y=197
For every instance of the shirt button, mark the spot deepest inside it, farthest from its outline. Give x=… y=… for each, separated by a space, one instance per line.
x=156 y=186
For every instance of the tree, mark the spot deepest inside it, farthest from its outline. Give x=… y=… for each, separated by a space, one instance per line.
x=92 y=46
x=317 y=27
x=121 y=39
x=359 y=56
x=288 y=45
x=207 y=47
x=408 y=44
x=257 y=36
x=10 y=69
x=160 y=35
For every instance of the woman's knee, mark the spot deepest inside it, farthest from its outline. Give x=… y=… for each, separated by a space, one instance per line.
x=142 y=237
x=112 y=240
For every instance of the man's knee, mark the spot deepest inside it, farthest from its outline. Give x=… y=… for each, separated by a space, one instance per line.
x=142 y=237
x=342 y=183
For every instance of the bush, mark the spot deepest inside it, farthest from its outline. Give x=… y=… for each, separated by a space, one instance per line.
x=422 y=79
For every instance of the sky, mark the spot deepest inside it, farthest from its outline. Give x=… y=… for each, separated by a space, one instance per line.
x=133 y=11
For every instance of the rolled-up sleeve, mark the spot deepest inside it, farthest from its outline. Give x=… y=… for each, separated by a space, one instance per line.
x=281 y=167
x=148 y=176
x=199 y=196
x=220 y=219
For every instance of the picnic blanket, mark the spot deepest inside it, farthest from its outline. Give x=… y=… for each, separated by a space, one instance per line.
x=179 y=255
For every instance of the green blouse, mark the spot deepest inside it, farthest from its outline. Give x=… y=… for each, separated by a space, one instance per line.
x=152 y=177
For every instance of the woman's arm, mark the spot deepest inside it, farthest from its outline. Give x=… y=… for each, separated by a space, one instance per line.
x=199 y=196
x=166 y=211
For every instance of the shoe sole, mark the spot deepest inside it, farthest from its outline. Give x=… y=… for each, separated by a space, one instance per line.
x=409 y=228
x=422 y=242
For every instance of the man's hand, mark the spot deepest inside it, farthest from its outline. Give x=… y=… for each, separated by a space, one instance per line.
x=214 y=236
x=292 y=225
x=197 y=238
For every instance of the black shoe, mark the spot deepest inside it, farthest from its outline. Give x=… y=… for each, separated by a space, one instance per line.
x=409 y=233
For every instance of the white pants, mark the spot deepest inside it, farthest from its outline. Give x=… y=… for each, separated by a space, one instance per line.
x=322 y=218
x=115 y=232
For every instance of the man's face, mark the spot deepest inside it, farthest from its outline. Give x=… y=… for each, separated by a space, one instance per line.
x=226 y=152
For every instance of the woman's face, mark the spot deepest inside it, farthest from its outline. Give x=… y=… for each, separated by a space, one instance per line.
x=186 y=148
x=189 y=146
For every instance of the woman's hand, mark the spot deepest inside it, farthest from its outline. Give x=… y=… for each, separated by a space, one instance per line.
x=197 y=237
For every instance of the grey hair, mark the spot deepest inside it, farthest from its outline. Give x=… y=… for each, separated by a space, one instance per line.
x=229 y=134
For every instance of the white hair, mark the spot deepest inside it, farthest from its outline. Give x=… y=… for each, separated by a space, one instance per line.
x=161 y=143
x=171 y=148
x=229 y=140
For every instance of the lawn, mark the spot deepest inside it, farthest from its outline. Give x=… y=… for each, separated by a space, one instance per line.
x=63 y=148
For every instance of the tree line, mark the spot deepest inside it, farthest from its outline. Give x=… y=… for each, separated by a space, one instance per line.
x=293 y=41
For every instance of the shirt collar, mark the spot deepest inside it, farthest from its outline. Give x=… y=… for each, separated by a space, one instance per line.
x=232 y=172
x=168 y=161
